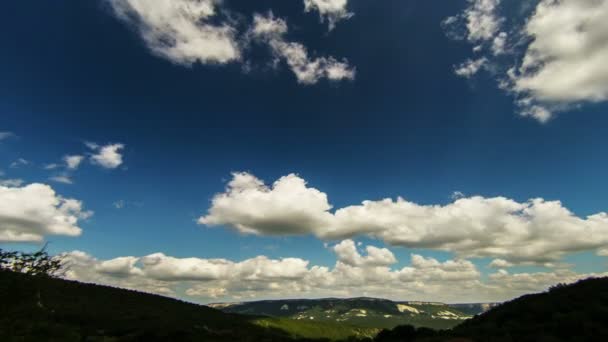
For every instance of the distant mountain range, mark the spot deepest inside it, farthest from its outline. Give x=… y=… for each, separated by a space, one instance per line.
x=361 y=312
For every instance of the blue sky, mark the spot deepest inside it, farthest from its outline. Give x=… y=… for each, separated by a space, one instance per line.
x=402 y=123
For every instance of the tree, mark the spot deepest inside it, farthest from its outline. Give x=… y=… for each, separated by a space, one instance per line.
x=38 y=263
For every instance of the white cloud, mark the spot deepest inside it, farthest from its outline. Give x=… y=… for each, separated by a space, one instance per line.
x=64 y=179
x=431 y=270
x=31 y=212
x=289 y=207
x=107 y=156
x=517 y=283
x=533 y=231
x=500 y=263
x=271 y=30
x=330 y=10
x=73 y=161
x=481 y=19
x=470 y=67
x=559 y=52
x=424 y=278
x=346 y=251
x=499 y=44
x=565 y=63
x=182 y=31
x=13 y=182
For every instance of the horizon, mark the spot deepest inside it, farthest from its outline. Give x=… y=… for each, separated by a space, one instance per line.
x=217 y=151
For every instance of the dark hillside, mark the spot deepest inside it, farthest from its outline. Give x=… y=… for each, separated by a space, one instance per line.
x=72 y=311
x=576 y=312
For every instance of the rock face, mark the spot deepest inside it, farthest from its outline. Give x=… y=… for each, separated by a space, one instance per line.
x=364 y=312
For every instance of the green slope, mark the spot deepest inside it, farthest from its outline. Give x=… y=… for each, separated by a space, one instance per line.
x=317 y=330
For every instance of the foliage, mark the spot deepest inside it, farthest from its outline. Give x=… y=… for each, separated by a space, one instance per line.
x=38 y=263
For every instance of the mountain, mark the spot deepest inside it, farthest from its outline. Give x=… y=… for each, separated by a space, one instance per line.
x=358 y=312
x=575 y=312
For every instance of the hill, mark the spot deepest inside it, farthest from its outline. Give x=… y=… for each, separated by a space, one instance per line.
x=47 y=309
x=358 y=312
x=575 y=312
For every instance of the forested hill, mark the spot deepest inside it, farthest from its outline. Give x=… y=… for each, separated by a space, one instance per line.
x=47 y=309
x=576 y=312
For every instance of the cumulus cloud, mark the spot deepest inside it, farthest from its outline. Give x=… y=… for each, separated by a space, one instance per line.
x=108 y=156
x=182 y=31
x=346 y=252
x=330 y=10
x=564 y=63
x=536 y=230
x=558 y=51
x=289 y=207
x=31 y=212
x=271 y=31
x=424 y=278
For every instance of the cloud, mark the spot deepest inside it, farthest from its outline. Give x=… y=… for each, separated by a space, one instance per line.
x=73 y=161
x=289 y=207
x=470 y=67
x=424 y=278
x=271 y=31
x=202 y=31
x=64 y=179
x=481 y=19
x=19 y=163
x=348 y=254
x=331 y=10
x=10 y=183
x=558 y=49
x=500 y=263
x=6 y=135
x=182 y=31
x=534 y=231
x=31 y=212
x=564 y=63
x=107 y=156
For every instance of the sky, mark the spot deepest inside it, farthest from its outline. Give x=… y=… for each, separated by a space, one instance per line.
x=236 y=150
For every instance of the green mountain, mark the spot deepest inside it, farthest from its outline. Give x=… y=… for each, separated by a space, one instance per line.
x=358 y=312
